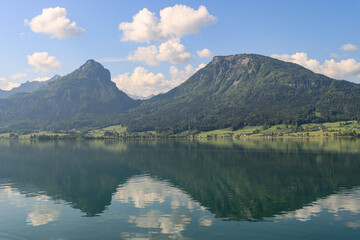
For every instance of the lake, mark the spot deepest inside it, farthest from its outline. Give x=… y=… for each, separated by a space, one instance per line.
x=180 y=189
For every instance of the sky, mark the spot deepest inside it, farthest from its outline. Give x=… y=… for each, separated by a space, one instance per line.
x=152 y=46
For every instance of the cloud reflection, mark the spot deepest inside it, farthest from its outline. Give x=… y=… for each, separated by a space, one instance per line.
x=335 y=203
x=143 y=191
x=42 y=216
x=42 y=210
x=162 y=208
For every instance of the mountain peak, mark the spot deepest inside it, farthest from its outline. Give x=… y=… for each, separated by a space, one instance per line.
x=91 y=64
x=55 y=77
x=91 y=70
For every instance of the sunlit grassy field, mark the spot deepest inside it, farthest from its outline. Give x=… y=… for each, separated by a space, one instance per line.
x=343 y=128
x=335 y=129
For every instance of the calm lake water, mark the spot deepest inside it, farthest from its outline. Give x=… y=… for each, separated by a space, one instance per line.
x=262 y=189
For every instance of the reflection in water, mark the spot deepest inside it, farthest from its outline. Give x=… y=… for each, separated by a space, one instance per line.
x=42 y=216
x=177 y=189
x=143 y=191
x=41 y=209
x=169 y=211
x=348 y=201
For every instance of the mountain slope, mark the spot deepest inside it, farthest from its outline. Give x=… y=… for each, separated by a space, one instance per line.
x=27 y=87
x=247 y=89
x=86 y=97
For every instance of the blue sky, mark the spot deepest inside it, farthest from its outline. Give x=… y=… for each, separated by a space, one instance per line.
x=320 y=35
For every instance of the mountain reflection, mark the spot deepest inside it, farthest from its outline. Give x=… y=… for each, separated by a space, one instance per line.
x=348 y=201
x=168 y=210
x=41 y=210
x=169 y=180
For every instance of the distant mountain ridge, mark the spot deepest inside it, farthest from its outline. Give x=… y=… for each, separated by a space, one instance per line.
x=84 y=98
x=27 y=87
x=231 y=91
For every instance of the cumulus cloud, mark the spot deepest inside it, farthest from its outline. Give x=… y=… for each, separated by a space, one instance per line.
x=179 y=76
x=143 y=28
x=5 y=85
x=43 y=62
x=144 y=83
x=181 y=20
x=175 y=21
x=18 y=75
x=348 y=68
x=349 y=47
x=171 y=51
x=53 y=21
x=41 y=79
x=205 y=53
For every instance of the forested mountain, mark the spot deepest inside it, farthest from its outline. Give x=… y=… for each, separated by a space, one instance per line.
x=27 y=87
x=231 y=91
x=84 y=98
x=247 y=89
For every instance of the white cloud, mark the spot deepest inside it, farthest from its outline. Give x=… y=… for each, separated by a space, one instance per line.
x=181 y=20
x=179 y=76
x=41 y=79
x=144 y=83
x=175 y=21
x=349 y=47
x=18 y=75
x=53 y=21
x=143 y=28
x=146 y=54
x=171 y=51
x=348 y=68
x=205 y=53
x=43 y=62
x=5 y=85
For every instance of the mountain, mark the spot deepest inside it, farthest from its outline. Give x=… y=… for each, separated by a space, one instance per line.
x=136 y=97
x=231 y=91
x=27 y=87
x=84 y=98
x=247 y=89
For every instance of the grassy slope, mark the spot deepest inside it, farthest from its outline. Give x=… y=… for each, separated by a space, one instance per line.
x=343 y=128
x=305 y=130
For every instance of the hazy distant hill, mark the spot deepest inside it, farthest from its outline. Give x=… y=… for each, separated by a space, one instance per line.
x=247 y=89
x=27 y=87
x=85 y=97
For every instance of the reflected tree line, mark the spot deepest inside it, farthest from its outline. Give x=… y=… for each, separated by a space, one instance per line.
x=234 y=181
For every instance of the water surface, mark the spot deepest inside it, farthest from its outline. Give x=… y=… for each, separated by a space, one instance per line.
x=212 y=189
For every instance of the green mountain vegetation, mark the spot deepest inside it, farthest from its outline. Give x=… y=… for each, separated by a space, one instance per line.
x=84 y=98
x=230 y=92
x=247 y=90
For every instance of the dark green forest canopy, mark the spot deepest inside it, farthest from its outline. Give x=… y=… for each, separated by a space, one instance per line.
x=232 y=91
